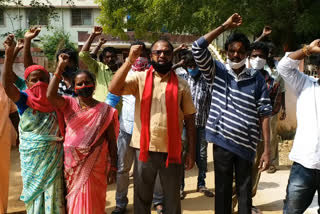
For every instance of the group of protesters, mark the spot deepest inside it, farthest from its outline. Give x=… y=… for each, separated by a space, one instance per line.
x=72 y=143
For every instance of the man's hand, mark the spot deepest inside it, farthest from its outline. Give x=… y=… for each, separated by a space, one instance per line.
x=314 y=47
x=266 y=30
x=189 y=162
x=112 y=175
x=9 y=44
x=183 y=46
x=32 y=33
x=63 y=62
x=102 y=40
x=135 y=52
x=97 y=31
x=20 y=44
x=264 y=161
x=233 y=21
x=283 y=114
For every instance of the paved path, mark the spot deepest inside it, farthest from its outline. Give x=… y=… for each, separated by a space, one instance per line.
x=269 y=198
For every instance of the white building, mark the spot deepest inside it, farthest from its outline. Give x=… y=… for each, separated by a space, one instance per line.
x=78 y=17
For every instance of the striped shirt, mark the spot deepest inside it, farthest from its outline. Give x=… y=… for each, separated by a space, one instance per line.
x=201 y=97
x=237 y=104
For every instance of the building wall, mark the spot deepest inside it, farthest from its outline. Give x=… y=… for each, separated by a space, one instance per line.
x=12 y=23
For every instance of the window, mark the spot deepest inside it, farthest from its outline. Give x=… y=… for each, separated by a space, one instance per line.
x=36 y=17
x=81 y=17
x=1 y=17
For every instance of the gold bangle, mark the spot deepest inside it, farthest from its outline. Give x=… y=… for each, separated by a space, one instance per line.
x=306 y=50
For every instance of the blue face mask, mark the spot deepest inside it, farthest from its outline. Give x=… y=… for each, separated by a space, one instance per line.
x=193 y=72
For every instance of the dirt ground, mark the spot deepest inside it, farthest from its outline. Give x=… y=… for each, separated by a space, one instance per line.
x=269 y=199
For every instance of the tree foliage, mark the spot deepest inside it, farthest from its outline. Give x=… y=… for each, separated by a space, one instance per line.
x=50 y=44
x=293 y=21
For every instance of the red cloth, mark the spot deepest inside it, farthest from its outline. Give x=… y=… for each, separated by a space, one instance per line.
x=37 y=100
x=34 y=68
x=173 y=130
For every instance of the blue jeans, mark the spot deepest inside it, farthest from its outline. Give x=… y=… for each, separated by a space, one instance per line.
x=302 y=185
x=126 y=156
x=201 y=157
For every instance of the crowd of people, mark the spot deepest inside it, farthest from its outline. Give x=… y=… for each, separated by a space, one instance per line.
x=72 y=143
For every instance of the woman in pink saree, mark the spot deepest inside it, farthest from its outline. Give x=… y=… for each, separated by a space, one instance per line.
x=90 y=142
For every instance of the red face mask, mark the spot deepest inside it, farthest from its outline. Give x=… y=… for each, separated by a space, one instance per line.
x=37 y=97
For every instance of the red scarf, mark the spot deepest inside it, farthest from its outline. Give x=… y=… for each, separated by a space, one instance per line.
x=173 y=130
x=37 y=100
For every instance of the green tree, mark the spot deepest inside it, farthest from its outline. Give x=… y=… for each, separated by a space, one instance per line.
x=293 y=21
x=57 y=40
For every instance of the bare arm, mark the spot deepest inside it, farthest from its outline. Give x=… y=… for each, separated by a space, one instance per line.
x=96 y=32
x=266 y=31
x=7 y=76
x=191 y=136
x=17 y=49
x=52 y=94
x=116 y=85
x=232 y=22
x=15 y=119
x=97 y=48
x=265 y=158
x=28 y=36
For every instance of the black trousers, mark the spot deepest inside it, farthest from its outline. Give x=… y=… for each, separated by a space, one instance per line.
x=144 y=179
x=225 y=165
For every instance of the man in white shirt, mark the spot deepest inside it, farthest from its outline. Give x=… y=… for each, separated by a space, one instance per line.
x=304 y=178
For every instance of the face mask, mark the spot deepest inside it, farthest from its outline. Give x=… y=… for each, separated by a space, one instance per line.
x=140 y=64
x=193 y=72
x=161 y=68
x=85 y=91
x=257 y=63
x=236 y=65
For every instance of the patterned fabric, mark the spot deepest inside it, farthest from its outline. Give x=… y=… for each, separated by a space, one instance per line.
x=87 y=151
x=63 y=90
x=237 y=103
x=41 y=162
x=201 y=96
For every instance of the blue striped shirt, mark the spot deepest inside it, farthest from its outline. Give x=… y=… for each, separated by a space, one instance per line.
x=238 y=102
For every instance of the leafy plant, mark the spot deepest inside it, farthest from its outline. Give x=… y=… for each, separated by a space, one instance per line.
x=55 y=41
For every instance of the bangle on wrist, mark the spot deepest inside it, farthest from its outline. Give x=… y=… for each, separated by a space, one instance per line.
x=223 y=27
x=112 y=168
x=129 y=61
x=306 y=50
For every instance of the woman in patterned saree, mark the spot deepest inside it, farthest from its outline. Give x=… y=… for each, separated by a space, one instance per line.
x=41 y=150
x=90 y=143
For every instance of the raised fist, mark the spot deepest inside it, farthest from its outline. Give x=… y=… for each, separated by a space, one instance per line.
x=63 y=60
x=102 y=40
x=314 y=46
x=20 y=44
x=9 y=44
x=97 y=30
x=32 y=33
x=135 y=52
x=233 y=21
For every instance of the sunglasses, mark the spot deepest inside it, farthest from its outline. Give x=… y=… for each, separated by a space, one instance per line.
x=158 y=52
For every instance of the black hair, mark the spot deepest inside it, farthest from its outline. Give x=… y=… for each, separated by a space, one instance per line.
x=90 y=75
x=237 y=37
x=163 y=40
x=111 y=50
x=73 y=55
x=188 y=58
x=260 y=46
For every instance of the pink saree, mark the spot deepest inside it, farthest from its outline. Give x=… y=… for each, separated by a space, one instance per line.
x=87 y=155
